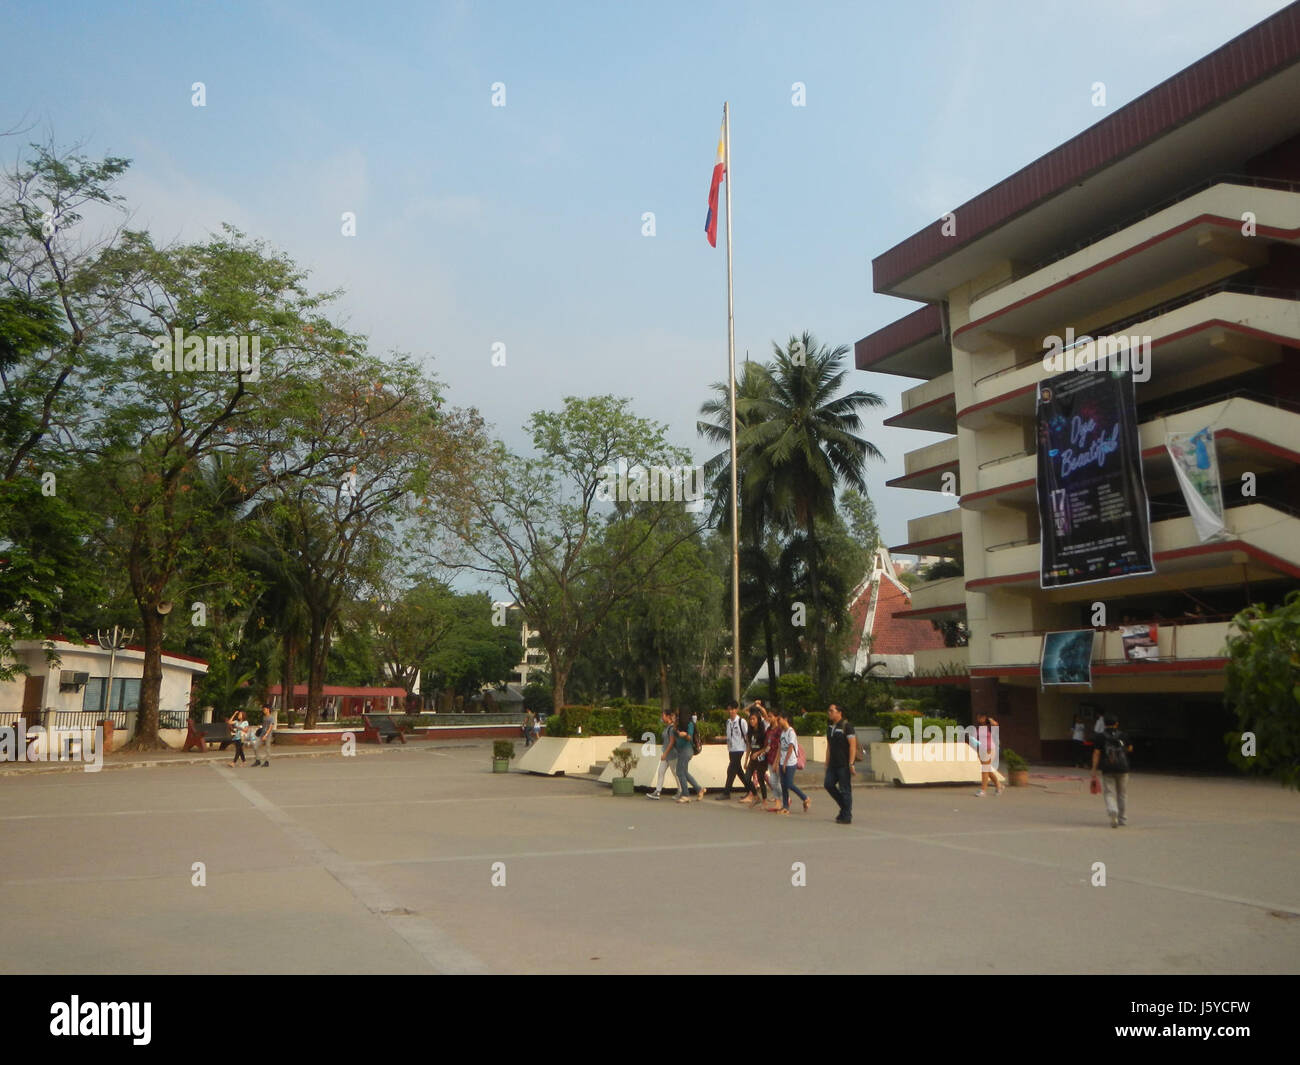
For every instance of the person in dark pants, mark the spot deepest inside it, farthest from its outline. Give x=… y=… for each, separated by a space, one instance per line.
x=841 y=753
x=756 y=767
x=737 y=741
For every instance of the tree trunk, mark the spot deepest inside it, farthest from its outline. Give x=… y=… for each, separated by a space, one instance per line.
x=288 y=670
x=316 y=648
x=771 y=660
x=146 y=718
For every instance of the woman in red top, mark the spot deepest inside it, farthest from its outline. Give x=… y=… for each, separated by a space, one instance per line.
x=773 y=755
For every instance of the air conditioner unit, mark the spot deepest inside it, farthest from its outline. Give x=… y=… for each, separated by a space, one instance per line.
x=69 y=680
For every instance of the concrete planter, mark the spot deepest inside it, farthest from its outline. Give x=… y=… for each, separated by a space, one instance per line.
x=1019 y=778
x=925 y=763
x=501 y=765
x=624 y=786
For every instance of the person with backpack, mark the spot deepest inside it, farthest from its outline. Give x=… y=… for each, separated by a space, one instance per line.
x=666 y=742
x=527 y=729
x=790 y=758
x=737 y=741
x=1111 y=754
x=688 y=745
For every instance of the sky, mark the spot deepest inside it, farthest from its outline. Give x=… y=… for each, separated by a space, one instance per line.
x=524 y=224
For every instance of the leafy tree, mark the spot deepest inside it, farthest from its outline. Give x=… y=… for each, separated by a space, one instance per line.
x=860 y=515
x=1263 y=689
x=540 y=526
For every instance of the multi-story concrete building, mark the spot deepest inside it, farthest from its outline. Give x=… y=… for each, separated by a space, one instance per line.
x=1176 y=218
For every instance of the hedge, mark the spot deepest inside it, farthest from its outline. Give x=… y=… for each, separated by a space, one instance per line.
x=813 y=724
x=890 y=719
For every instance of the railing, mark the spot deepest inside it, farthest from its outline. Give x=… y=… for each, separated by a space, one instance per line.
x=1118 y=326
x=88 y=719
x=173 y=718
x=1004 y=458
x=1161 y=622
x=1012 y=543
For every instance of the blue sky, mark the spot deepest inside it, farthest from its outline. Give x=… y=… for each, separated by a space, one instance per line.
x=523 y=224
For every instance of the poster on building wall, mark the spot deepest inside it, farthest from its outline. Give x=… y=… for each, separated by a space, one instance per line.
x=1092 y=498
x=1196 y=462
x=1141 y=642
x=1067 y=657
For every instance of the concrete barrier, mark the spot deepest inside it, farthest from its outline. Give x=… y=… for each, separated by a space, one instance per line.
x=553 y=755
x=926 y=763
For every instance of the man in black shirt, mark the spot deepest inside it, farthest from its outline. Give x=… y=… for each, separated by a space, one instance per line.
x=1111 y=757
x=841 y=753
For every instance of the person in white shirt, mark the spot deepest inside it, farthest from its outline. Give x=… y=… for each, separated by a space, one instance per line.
x=788 y=760
x=737 y=743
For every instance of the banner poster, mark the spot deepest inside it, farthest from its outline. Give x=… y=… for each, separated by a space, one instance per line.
x=1067 y=657
x=1140 y=642
x=1196 y=462
x=1092 y=498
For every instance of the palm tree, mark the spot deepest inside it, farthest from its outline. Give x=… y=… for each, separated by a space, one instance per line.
x=803 y=438
x=758 y=584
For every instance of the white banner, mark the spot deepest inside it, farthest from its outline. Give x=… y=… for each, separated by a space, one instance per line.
x=1196 y=462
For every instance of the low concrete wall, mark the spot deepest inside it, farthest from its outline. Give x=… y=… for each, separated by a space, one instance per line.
x=926 y=763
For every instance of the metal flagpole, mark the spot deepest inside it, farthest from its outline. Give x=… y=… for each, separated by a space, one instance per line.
x=731 y=385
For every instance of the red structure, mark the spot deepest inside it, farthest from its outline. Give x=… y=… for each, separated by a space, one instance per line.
x=339 y=702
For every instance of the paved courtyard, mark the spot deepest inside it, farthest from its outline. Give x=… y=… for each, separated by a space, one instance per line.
x=384 y=863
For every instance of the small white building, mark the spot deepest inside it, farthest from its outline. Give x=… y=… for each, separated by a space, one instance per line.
x=74 y=693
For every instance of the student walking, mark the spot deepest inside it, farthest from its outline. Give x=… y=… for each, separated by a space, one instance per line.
x=1111 y=755
x=773 y=758
x=685 y=751
x=841 y=753
x=1076 y=741
x=262 y=738
x=528 y=728
x=238 y=733
x=756 y=765
x=986 y=743
x=737 y=743
x=788 y=753
x=667 y=742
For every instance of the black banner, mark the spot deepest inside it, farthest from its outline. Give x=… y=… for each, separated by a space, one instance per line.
x=1092 y=499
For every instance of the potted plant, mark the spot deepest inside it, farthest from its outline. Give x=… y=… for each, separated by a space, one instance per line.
x=1017 y=768
x=624 y=761
x=502 y=752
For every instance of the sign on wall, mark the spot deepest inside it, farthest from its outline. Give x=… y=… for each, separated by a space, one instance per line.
x=1067 y=657
x=1196 y=462
x=1092 y=498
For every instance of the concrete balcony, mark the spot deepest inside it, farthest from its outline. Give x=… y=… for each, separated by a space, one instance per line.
x=933 y=534
x=925 y=468
x=937 y=599
x=941 y=661
x=1197 y=235
x=1202 y=642
x=1195 y=340
x=931 y=406
x=1262 y=543
x=1250 y=434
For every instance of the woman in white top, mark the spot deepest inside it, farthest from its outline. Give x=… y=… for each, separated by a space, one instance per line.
x=238 y=733
x=788 y=760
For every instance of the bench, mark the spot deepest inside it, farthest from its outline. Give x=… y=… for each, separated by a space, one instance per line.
x=380 y=726
x=199 y=736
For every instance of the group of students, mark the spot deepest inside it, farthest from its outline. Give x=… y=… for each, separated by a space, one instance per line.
x=764 y=755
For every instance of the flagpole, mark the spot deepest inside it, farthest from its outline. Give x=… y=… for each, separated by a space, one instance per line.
x=731 y=385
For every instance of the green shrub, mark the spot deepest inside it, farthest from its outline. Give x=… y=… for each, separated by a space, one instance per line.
x=502 y=749
x=638 y=720
x=795 y=691
x=1013 y=761
x=577 y=717
x=716 y=717
x=556 y=726
x=604 y=722
x=889 y=720
x=709 y=730
x=811 y=725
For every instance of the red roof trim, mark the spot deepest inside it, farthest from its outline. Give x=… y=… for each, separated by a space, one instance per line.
x=1271 y=46
x=921 y=324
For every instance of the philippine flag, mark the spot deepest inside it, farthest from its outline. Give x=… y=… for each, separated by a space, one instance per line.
x=719 y=172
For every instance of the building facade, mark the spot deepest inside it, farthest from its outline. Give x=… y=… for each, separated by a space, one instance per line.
x=1176 y=219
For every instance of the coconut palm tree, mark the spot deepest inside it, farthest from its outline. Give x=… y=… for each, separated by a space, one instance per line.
x=803 y=436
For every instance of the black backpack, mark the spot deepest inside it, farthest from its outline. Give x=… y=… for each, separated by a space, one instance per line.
x=1113 y=753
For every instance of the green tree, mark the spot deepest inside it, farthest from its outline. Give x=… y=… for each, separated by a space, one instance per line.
x=1263 y=689
x=538 y=525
